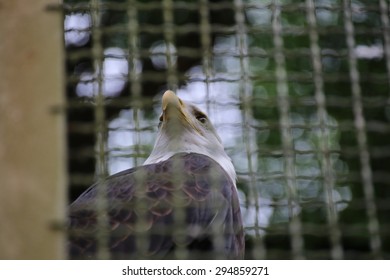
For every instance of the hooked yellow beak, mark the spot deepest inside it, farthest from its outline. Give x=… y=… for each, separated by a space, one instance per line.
x=171 y=102
x=174 y=109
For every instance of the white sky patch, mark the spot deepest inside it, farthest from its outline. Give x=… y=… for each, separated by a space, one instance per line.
x=159 y=54
x=123 y=140
x=114 y=75
x=369 y=52
x=77 y=29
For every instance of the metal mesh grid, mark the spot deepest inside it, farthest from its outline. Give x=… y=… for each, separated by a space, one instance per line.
x=298 y=91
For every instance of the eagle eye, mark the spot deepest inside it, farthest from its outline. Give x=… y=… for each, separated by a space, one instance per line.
x=160 y=121
x=201 y=117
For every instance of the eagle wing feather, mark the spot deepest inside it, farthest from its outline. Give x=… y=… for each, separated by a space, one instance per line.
x=146 y=204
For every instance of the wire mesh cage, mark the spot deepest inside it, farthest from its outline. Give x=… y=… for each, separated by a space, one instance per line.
x=297 y=90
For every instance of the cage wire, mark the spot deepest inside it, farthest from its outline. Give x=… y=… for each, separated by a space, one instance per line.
x=297 y=90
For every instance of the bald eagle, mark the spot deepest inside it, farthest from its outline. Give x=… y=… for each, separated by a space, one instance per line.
x=182 y=203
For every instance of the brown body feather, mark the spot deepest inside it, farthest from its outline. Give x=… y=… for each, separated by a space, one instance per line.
x=154 y=211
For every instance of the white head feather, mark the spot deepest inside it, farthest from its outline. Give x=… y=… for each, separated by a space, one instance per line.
x=186 y=129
